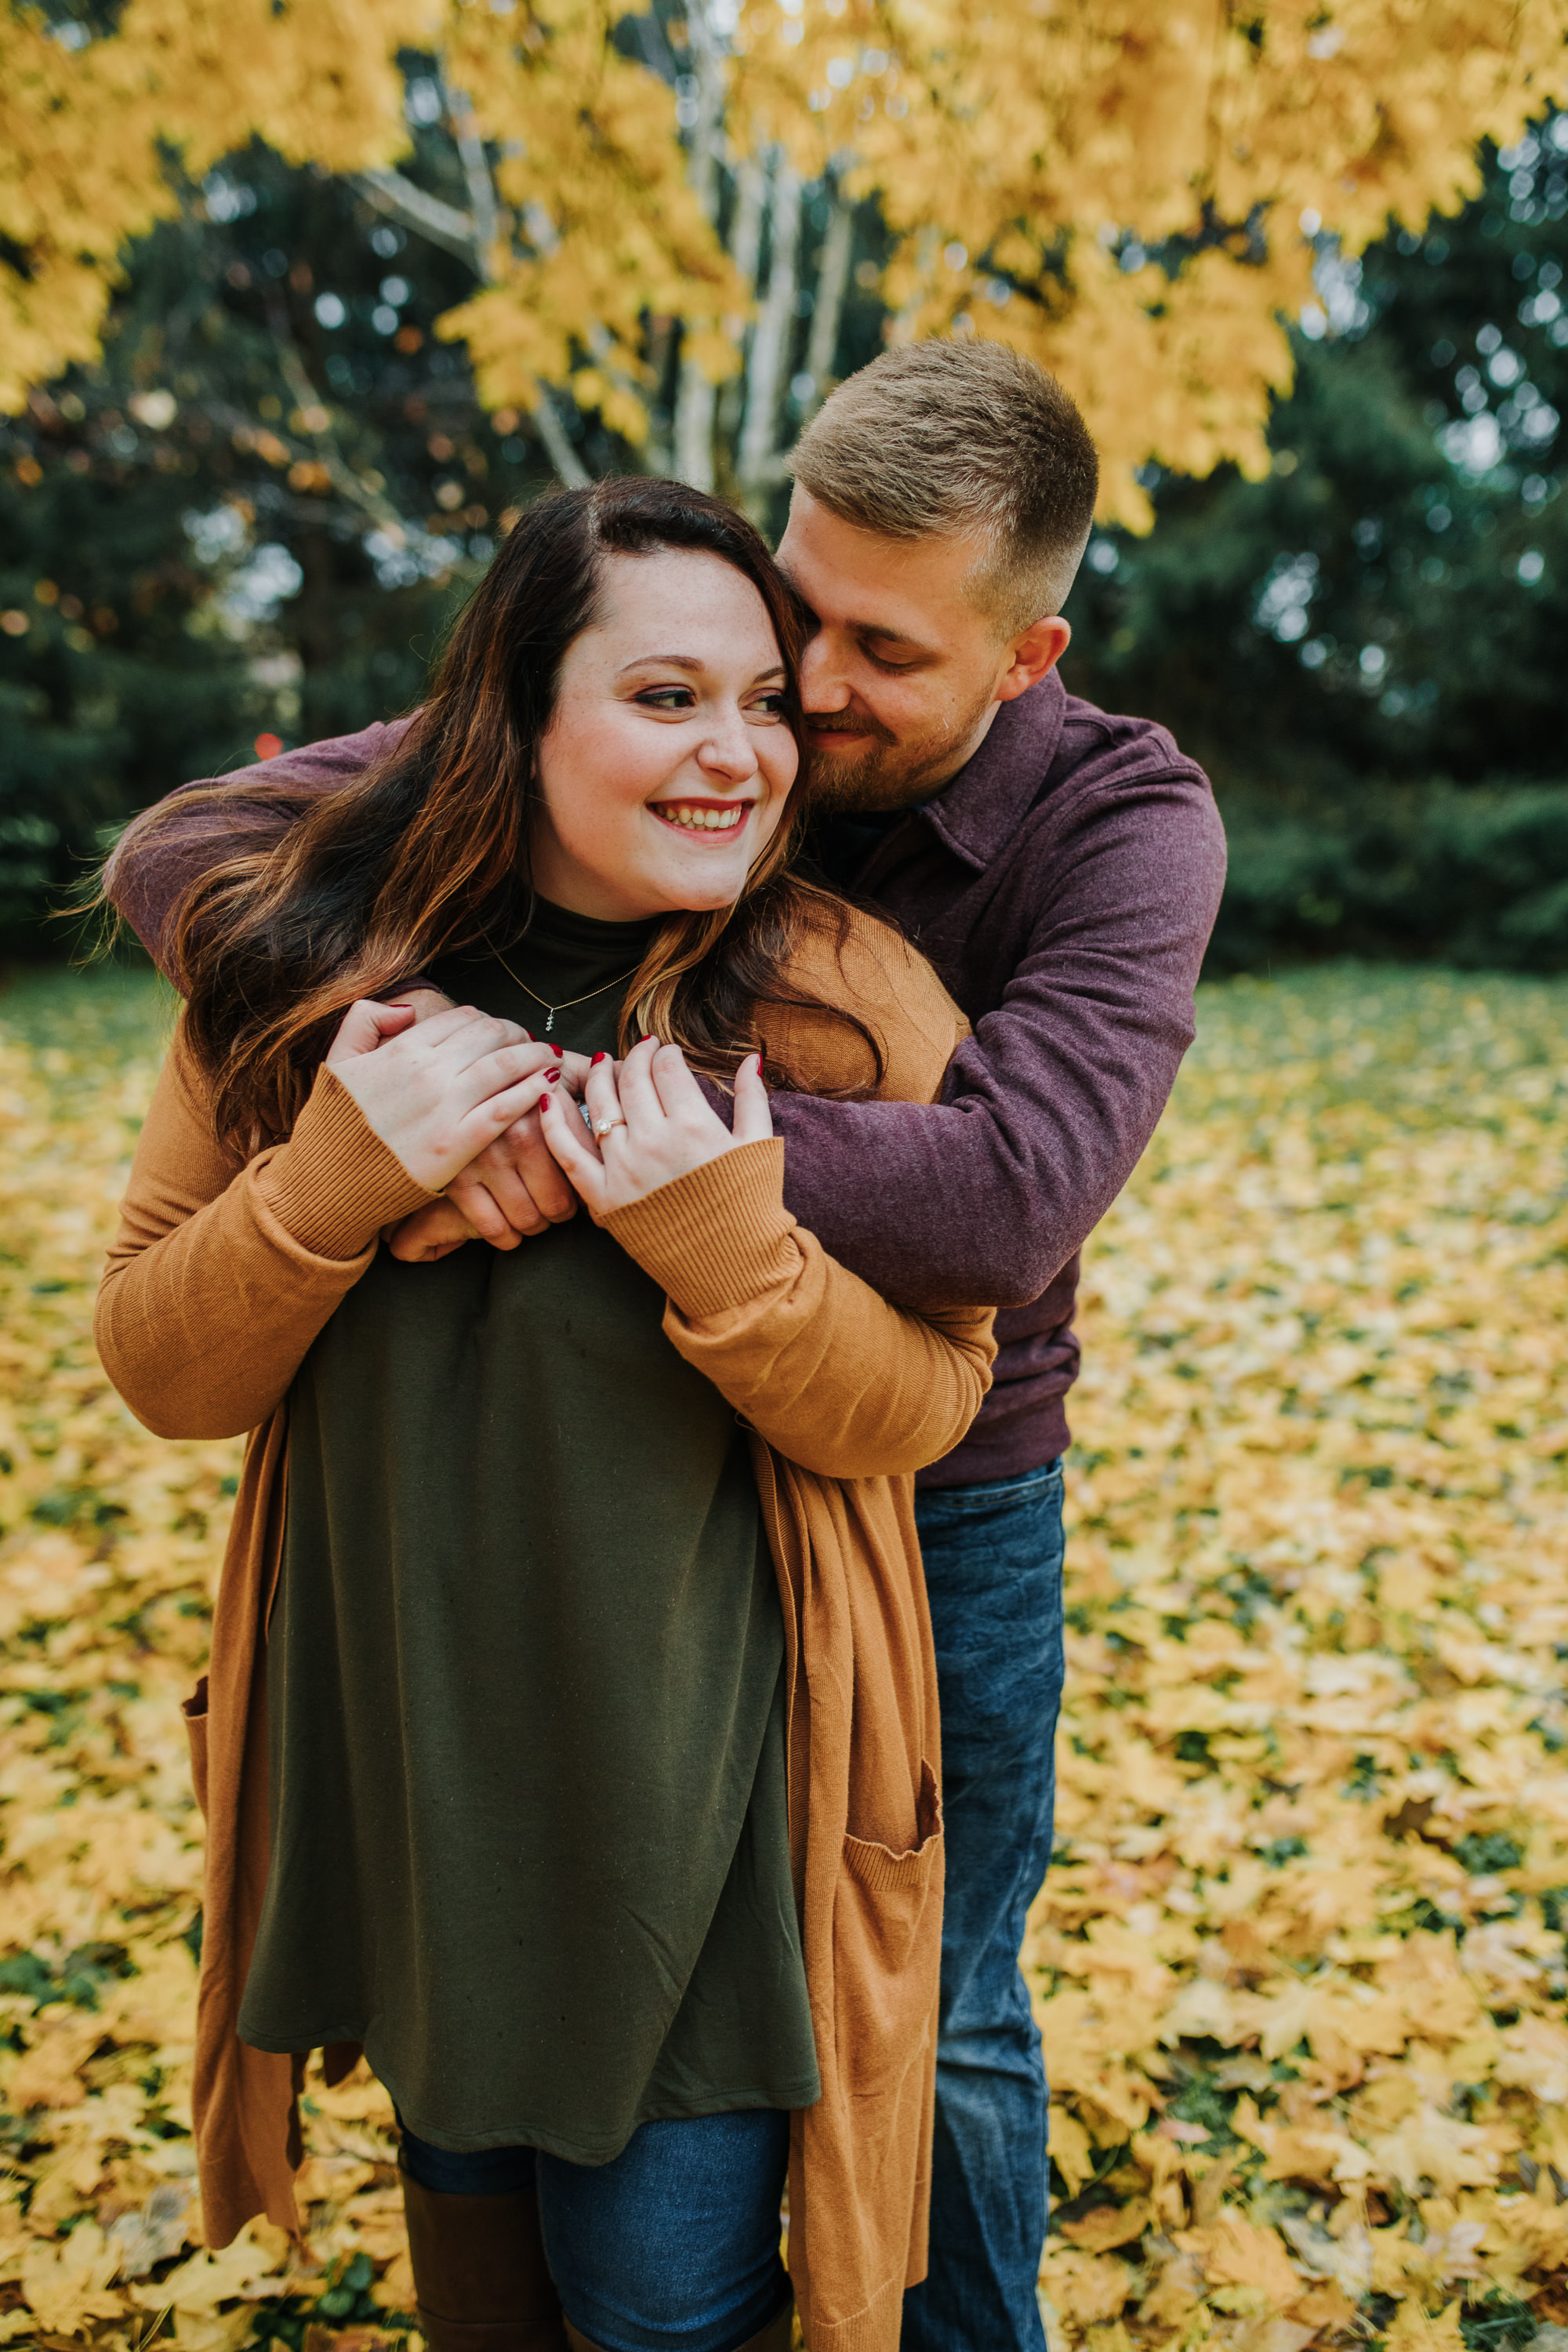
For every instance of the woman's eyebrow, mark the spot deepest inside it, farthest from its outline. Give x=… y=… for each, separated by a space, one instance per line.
x=691 y=661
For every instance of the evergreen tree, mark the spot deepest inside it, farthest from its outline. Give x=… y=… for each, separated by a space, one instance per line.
x=246 y=525
x=1391 y=601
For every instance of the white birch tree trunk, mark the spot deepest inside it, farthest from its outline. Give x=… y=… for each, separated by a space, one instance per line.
x=732 y=432
x=759 y=453
x=828 y=317
x=696 y=400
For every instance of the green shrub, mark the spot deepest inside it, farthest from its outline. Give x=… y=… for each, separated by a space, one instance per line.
x=1474 y=877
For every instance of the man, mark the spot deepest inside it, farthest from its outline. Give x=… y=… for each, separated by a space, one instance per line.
x=1062 y=870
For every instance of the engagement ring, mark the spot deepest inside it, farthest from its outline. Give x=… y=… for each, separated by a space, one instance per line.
x=602 y=1126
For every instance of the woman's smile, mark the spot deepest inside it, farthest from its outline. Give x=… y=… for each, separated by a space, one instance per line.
x=720 y=819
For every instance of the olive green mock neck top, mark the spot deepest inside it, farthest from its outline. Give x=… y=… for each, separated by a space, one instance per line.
x=529 y=1838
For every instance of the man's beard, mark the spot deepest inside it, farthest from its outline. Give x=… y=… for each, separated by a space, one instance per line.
x=884 y=773
x=873 y=778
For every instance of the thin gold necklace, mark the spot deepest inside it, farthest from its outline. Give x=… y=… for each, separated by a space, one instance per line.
x=552 y=1010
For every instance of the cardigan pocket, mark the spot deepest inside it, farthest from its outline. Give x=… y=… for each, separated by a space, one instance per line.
x=887 y=1951
x=195 y=1710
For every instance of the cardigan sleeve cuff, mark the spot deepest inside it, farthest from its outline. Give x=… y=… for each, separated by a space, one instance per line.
x=334 y=1184
x=717 y=1237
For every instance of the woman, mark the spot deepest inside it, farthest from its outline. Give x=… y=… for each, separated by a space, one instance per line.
x=569 y=1738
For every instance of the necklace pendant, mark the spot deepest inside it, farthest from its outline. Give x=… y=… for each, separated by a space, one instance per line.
x=551 y=1023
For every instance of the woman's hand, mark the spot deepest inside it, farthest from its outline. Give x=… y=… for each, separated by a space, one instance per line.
x=438 y=1092
x=513 y=1188
x=663 y=1126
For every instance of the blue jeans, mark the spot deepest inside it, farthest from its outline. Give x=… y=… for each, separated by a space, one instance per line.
x=673 y=2246
x=994 y=1572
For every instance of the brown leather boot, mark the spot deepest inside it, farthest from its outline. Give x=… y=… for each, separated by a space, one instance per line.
x=774 y=2337
x=479 y=2273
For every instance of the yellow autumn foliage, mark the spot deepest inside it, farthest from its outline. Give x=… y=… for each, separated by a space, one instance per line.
x=1300 y=1965
x=1027 y=156
x=82 y=134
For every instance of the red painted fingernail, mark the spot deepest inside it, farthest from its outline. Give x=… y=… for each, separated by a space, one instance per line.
x=551 y=1076
x=597 y=1059
x=556 y=1051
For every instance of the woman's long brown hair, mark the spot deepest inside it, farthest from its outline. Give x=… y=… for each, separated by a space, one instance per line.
x=426 y=854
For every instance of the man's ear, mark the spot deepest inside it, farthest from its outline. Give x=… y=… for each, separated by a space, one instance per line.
x=1034 y=652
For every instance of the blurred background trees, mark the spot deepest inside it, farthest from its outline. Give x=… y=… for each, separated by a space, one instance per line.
x=1365 y=647
x=300 y=308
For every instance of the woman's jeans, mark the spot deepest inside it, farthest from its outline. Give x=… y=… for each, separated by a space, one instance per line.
x=994 y=1572
x=673 y=2246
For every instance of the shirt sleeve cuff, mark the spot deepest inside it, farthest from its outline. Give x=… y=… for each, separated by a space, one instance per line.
x=717 y=1237
x=334 y=1184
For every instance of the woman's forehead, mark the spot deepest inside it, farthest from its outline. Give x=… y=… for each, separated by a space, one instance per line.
x=697 y=595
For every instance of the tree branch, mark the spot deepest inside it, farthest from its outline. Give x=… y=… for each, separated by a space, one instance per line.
x=443 y=225
x=484 y=211
x=558 y=441
x=472 y=236
x=344 y=480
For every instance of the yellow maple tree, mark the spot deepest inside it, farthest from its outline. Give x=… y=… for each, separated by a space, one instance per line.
x=1134 y=195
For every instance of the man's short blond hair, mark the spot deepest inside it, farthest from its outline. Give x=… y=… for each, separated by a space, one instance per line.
x=945 y=439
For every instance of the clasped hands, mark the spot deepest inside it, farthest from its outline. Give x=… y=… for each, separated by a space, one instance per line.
x=478 y=1110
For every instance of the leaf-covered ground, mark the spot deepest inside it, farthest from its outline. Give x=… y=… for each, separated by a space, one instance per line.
x=1300 y=1963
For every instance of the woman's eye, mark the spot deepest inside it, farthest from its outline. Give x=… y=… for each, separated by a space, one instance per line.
x=668 y=697
x=772 y=706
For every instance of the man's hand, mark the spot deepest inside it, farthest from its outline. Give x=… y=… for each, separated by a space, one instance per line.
x=492 y=1200
x=423 y=1001
x=430 y=1235
x=656 y=1124
x=513 y=1188
x=516 y=1185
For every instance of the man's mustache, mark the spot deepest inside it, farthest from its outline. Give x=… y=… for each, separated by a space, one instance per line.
x=828 y=723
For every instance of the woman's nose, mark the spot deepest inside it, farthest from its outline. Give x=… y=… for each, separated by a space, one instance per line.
x=728 y=752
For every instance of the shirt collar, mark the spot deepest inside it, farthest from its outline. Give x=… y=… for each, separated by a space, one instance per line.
x=977 y=813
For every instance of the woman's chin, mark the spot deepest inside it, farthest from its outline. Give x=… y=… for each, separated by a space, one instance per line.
x=701 y=892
